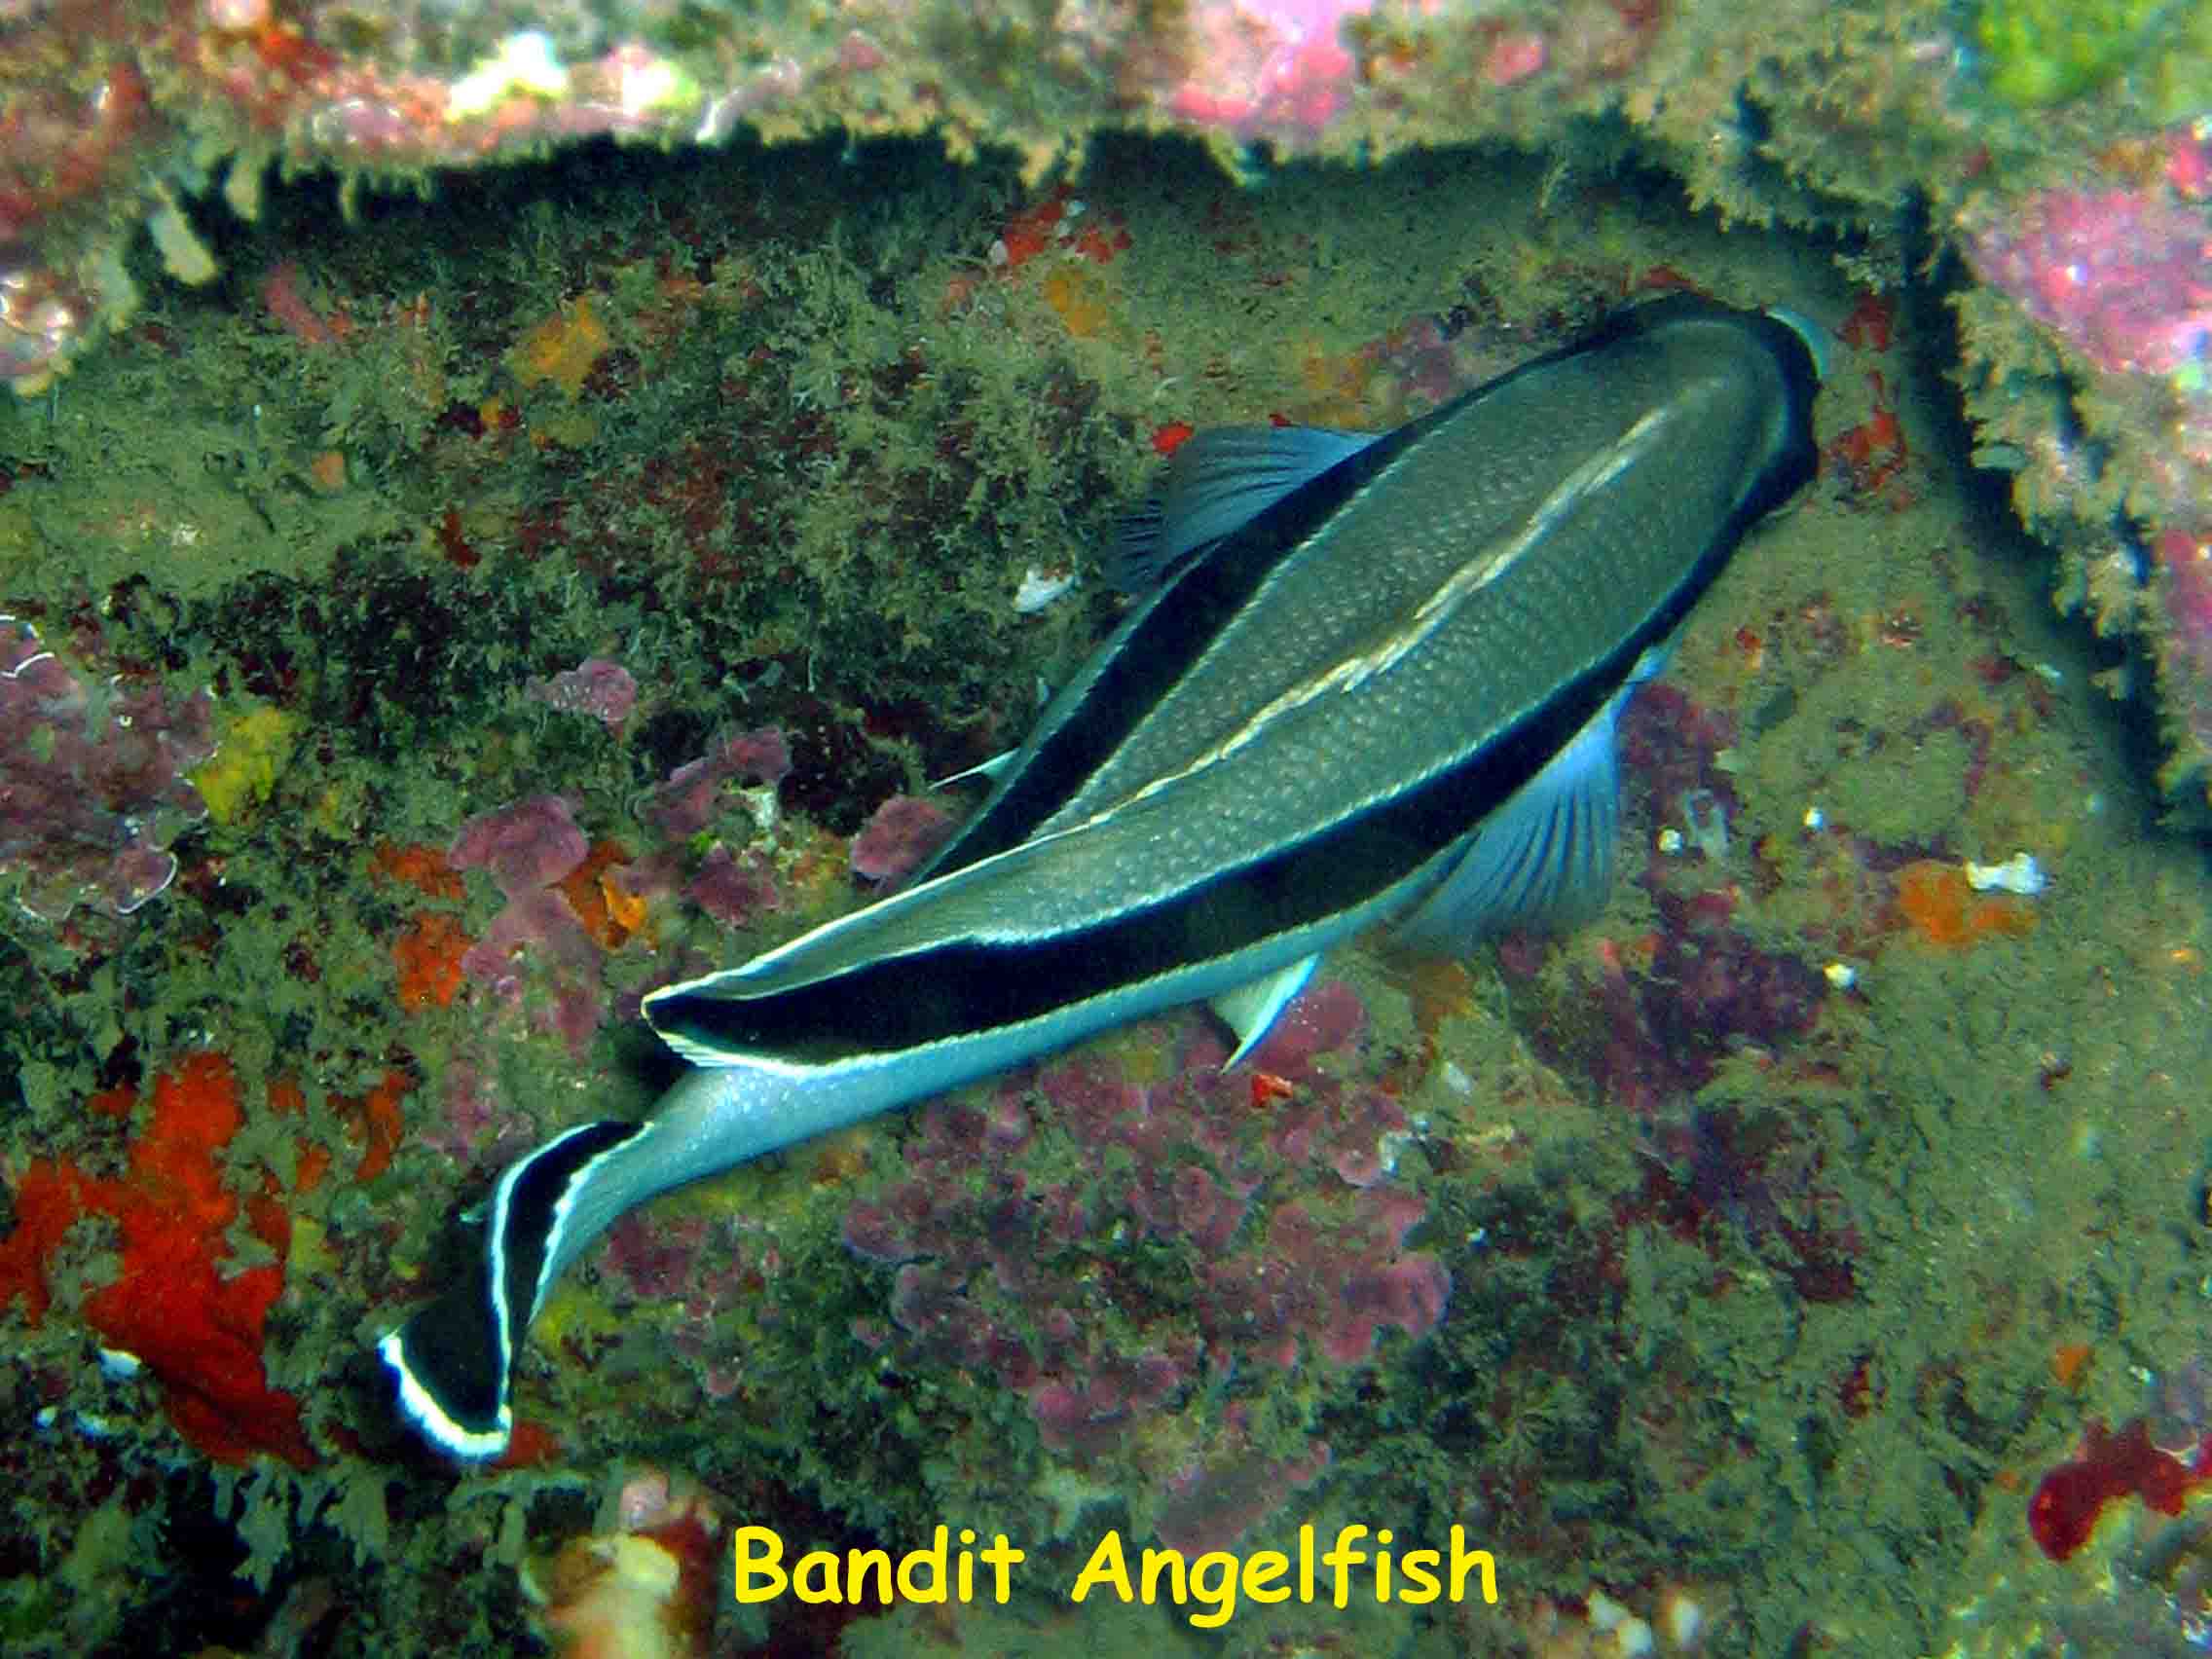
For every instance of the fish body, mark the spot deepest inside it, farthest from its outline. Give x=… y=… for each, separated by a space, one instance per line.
x=1372 y=680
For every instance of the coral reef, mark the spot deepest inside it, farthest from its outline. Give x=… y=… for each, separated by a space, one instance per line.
x=1000 y=1266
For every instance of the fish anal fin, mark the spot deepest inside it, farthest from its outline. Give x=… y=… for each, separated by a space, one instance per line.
x=1250 y=1010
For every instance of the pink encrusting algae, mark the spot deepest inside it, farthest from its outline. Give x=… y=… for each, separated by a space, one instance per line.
x=897 y=837
x=2124 y=276
x=599 y=686
x=92 y=785
x=1263 y=1255
x=1266 y=66
x=2121 y=273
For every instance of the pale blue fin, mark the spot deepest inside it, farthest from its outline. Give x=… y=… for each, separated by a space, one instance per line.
x=994 y=768
x=1249 y=1009
x=1218 y=482
x=1545 y=858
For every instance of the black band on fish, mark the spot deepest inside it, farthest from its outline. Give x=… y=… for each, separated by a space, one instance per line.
x=966 y=985
x=453 y=1359
x=1159 y=642
x=969 y=979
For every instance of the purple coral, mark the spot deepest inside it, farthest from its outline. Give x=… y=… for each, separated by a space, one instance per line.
x=92 y=787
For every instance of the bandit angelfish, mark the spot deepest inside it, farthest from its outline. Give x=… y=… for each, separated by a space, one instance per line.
x=1370 y=678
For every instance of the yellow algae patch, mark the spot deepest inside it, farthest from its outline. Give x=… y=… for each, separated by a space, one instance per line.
x=563 y=348
x=1073 y=293
x=1333 y=386
x=574 y=1312
x=310 y=1251
x=255 y=750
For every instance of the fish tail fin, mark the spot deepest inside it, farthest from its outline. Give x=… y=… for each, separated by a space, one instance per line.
x=452 y=1376
x=453 y=1359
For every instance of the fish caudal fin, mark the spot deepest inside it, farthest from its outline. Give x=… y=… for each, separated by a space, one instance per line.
x=453 y=1360
x=452 y=1369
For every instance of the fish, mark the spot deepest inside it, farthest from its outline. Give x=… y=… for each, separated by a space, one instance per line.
x=1365 y=678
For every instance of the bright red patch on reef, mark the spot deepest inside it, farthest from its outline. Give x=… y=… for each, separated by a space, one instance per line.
x=2064 y=1510
x=196 y=1329
x=427 y=958
x=1872 y=455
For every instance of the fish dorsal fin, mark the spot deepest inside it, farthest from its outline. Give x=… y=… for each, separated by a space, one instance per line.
x=1218 y=482
x=1250 y=1008
x=1545 y=857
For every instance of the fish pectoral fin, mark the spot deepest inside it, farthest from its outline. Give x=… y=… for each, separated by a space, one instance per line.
x=1219 y=481
x=1250 y=1008
x=1545 y=858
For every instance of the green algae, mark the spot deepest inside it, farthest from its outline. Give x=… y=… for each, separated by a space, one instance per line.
x=2046 y=52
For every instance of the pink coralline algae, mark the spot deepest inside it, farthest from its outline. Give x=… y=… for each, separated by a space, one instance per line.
x=1211 y=1505
x=1707 y=991
x=687 y=803
x=897 y=837
x=2122 y=274
x=1264 y=67
x=478 y=1124
x=92 y=785
x=733 y=888
x=1651 y=1024
x=527 y=847
x=599 y=688
x=708 y=1268
x=1216 y=1231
